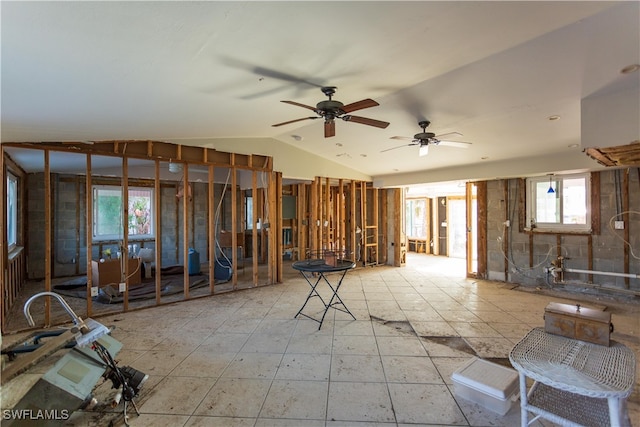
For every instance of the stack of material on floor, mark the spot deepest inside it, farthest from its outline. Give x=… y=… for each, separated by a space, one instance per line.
x=488 y=384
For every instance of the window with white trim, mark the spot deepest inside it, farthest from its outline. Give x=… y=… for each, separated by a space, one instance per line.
x=12 y=210
x=559 y=203
x=107 y=212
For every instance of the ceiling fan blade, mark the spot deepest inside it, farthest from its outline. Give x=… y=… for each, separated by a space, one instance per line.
x=399 y=146
x=446 y=135
x=300 y=105
x=365 y=121
x=424 y=150
x=293 y=121
x=403 y=138
x=457 y=144
x=359 y=105
x=329 y=128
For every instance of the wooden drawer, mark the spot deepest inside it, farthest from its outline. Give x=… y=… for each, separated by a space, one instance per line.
x=581 y=323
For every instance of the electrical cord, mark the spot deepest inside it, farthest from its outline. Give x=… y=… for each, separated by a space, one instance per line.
x=612 y=230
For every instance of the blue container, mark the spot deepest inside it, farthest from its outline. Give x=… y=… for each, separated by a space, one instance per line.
x=194 y=262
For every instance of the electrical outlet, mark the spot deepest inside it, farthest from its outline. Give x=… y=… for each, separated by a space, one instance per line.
x=619 y=225
x=94 y=291
x=123 y=287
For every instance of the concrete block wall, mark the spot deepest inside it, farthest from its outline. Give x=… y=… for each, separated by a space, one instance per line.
x=607 y=246
x=35 y=226
x=69 y=225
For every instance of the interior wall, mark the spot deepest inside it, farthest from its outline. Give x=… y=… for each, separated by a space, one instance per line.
x=521 y=257
x=69 y=227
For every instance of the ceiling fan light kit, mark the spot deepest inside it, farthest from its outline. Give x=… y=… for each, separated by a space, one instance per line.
x=424 y=139
x=330 y=109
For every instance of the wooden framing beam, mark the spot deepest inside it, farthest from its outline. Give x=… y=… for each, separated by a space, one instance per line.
x=186 y=195
x=158 y=237
x=47 y=236
x=234 y=226
x=254 y=228
x=89 y=232
x=124 y=263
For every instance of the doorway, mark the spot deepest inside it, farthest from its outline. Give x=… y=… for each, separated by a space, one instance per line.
x=441 y=220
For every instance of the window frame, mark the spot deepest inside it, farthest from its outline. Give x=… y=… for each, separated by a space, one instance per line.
x=131 y=237
x=409 y=205
x=15 y=212
x=531 y=223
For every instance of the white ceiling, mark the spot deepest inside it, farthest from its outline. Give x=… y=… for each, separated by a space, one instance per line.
x=214 y=73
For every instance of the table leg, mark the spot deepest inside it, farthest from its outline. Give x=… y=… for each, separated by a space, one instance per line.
x=524 y=414
x=336 y=296
x=312 y=293
x=616 y=414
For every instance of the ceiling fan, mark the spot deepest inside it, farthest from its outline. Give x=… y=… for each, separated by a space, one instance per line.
x=424 y=139
x=329 y=110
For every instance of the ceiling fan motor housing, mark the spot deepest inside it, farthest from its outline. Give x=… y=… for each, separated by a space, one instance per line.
x=330 y=107
x=424 y=136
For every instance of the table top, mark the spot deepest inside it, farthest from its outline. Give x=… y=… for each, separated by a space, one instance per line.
x=320 y=266
x=576 y=366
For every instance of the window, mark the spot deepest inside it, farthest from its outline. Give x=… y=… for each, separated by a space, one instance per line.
x=416 y=225
x=12 y=211
x=249 y=214
x=107 y=212
x=559 y=203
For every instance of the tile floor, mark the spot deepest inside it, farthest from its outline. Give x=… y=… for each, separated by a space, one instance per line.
x=242 y=359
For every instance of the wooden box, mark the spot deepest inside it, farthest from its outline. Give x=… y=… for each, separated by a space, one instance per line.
x=581 y=323
x=331 y=258
x=108 y=272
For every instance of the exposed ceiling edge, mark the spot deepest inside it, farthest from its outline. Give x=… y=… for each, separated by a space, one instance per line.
x=621 y=155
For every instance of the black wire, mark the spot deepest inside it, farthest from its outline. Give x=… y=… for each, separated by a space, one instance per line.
x=108 y=359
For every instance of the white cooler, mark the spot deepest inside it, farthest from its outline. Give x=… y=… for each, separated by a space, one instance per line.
x=488 y=384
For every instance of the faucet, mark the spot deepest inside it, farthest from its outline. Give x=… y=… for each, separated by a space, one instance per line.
x=76 y=319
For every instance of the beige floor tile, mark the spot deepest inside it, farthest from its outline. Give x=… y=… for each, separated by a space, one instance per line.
x=356 y=368
x=491 y=347
x=242 y=359
x=161 y=362
x=434 y=329
x=466 y=329
x=202 y=421
x=410 y=369
x=355 y=344
x=234 y=397
x=265 y=343
x=314 y=343
x=253 y=365
x=296 y=399
x=425 y=404
x=310 y=367
x=224 y=342
x=203 y=364
x=403 y=346
x=359 y=401
x=177 y=395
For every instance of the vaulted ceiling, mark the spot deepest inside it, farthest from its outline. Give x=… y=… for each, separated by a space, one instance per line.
x=215 y=73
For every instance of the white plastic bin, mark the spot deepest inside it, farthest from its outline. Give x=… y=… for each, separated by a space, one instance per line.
x=490 y=385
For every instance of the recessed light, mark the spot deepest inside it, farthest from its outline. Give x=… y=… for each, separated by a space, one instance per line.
x=572 y=145
x=338 y=144
x=484 y=158
x=297 y=137
x=630 y=69
x=553 y=118
x=363 y=155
